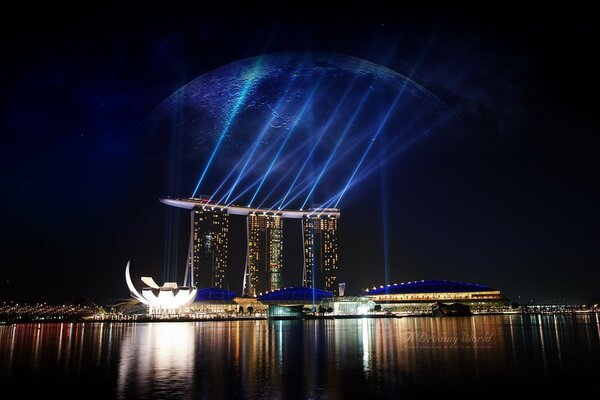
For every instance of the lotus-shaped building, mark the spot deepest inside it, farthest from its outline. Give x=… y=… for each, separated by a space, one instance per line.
x=166 y=299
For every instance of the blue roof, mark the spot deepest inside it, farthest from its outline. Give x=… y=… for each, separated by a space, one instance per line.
x=214 y=293
x=298 y=293
x=432 y=286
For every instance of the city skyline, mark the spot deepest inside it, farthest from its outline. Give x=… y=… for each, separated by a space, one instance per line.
x=506 y=196
x=306 y=201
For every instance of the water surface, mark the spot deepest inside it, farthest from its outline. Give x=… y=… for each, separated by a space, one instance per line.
x=369 y=358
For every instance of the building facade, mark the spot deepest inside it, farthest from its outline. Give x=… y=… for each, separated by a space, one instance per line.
x=420 y=296
x=321 y=255
x=265 y=253
x=209 y=242
x=207 y=258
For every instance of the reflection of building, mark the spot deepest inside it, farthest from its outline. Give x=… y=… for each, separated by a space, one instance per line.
x=320 y=250
x=349 y=305
x=285 y=312
x=151 y=353
x=265 y=253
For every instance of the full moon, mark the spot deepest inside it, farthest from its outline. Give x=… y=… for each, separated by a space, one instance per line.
x=291 y=128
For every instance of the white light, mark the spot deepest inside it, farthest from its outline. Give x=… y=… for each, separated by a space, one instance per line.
x=362 y=310
x=166 y=300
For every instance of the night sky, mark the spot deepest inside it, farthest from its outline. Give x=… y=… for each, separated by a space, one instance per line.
x=511 y=202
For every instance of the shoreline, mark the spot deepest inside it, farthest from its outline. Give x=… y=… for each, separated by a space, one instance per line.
x=265 y=318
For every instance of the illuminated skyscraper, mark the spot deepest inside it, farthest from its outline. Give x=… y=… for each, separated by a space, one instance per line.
x=321 y=256
x=207 y=257
x=265 y=253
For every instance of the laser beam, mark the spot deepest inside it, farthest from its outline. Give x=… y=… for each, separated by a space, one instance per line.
x=322 y=131
x=379 y=130
x=240 y=100
x=235 y=167
x=388 y=113
x=370 y=168
x=310 y=180
x=292 y=129
x=256 y=144
x=362 y=102
x=280 y=181
x=281 y=162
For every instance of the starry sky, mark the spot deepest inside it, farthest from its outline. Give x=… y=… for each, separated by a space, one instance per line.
x=511 y=202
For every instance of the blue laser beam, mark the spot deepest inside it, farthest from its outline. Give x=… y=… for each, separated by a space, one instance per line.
x=349 y=125
x=172 y=223
x=235 y=167
x=384 y=214
x=254 y=183
x=322 y=132
x=379 y=130
x=391 y=144
x=307 y=102
x=374 y=165
x=240 y=100
x=282 y=162
x=388 y=114
x=281 y=179
x=256 y=144
x=370 y=168
x=310 y=179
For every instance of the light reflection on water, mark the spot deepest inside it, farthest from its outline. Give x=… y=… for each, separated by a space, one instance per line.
x=283 y=359
x=163 y=352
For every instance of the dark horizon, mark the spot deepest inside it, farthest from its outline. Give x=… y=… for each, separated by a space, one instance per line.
x=510 y=202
